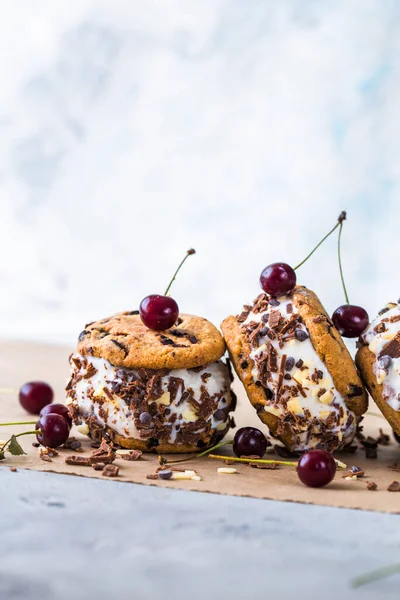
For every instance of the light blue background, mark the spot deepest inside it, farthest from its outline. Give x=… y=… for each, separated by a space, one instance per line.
x=132 y=130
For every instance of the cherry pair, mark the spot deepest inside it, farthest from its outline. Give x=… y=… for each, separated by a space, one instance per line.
x=279 y=279
x=316 y=468
x=54 y=423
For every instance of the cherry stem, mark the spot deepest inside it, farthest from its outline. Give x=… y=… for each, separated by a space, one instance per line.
x=204 y=453
x=342 y=217
x=340 y=264
x=18 y=423
x=188 y=253
x=375 y=575
x=260 y=461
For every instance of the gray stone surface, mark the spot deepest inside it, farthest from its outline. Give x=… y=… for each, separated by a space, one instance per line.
x=73 y=538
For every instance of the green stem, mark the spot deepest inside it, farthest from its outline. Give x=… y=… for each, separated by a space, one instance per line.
x=17 y=435
x=317 y=246
x=375 y=575
x=188 y=253
x=204 y=453
x=340 y=264
x=342 y=217
x=254 y=460
x=18 y=423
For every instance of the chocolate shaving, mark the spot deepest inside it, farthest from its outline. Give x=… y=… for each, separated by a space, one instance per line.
x=104 y=454
x=274 y=319
x=380 y=328
x=392 y=348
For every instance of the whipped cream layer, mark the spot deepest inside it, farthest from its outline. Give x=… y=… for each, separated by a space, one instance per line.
x=171 y=407
x=299 y=388
x=383 y=339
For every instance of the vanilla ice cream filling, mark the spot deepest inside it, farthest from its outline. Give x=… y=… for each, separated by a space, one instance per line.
x=320 y=397
x=386 y=368
x=90 y=398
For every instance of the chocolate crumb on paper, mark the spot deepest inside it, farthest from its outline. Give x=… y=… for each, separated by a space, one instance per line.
x=46 y=454
x=98 y=466
x=394 y=487
x=110 y=471
x=383 y=439
x=78 y=461
x=372 y=486
x=131 y=455
x=73 y=444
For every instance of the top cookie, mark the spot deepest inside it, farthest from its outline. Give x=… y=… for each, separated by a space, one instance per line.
x=125 y=341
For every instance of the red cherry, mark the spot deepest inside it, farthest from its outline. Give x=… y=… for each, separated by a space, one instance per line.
x=54 y=430
x=278 y=279
x=249 y=441
x=316 y=468
x=35 y=395
x=350 y=321
x=158 y=312
x=57 y=409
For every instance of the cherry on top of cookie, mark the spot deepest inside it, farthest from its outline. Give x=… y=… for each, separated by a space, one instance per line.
x=161 y=312
x=125 y=341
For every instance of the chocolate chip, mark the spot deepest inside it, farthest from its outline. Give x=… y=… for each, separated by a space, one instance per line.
x=82 y=335
x=220 y=415
x=371 y=486
x=166 y=474
x=299 y=363
x=287 y=377
x=244 y=364
x=355 y=390
x=385 y=361
x=134 y=312
x=289 y=363
x=301 y=335
x=120 y=346
x=145 y=418
x=274 y=302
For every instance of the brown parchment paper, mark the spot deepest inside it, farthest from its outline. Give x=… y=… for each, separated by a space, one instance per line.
x=26 y=361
